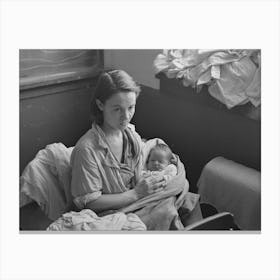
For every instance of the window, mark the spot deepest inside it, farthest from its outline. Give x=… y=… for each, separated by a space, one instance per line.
x=41 y=67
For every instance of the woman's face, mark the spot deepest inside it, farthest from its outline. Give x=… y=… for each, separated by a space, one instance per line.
x=118 y=110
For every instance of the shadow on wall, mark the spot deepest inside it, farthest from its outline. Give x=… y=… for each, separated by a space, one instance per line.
x=60 y=117
x=138 y=63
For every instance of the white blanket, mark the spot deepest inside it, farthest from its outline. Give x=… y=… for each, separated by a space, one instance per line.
x=87 y=220
x=233 y=76
x=46 y=180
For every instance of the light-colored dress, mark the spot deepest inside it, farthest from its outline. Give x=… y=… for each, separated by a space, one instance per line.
x=96 y=171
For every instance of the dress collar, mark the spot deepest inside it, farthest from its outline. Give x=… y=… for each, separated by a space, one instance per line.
x=100 y=139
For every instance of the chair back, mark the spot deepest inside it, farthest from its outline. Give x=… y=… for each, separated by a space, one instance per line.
x=220 y=221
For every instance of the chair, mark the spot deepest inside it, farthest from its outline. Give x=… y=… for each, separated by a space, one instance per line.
x=220 y=221
x=232 y=187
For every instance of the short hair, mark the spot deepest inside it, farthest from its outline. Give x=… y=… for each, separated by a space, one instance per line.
x=162 y=147
x=110 y=83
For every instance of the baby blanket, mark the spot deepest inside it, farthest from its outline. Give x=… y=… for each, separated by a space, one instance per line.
x=159 y=211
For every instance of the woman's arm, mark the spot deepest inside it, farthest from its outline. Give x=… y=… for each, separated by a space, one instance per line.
x=144 y=187
x=112 y=201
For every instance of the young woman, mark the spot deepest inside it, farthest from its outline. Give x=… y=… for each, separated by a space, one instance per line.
x=106 y=161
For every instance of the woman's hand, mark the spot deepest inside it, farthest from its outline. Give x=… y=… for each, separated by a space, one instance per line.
x=149 y=185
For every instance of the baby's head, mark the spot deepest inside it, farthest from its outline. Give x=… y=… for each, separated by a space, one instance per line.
x=159 y=157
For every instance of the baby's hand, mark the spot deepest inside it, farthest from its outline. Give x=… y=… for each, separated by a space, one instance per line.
x=147 y=186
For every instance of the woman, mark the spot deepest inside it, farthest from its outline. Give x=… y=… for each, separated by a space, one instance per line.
x=106 y=161
x=110 y=150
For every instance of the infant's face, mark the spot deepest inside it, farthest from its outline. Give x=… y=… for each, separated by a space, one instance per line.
x=157 y=161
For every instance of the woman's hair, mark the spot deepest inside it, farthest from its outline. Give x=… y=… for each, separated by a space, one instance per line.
x=108 y=84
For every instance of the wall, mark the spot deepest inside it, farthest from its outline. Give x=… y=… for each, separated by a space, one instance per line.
x=196 y=130
x=57 y=113
x=55 y=91
x=138 y=63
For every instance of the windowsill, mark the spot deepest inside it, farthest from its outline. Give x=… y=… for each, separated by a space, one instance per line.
x=51 y=79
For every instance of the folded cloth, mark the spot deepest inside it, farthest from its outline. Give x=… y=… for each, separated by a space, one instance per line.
x=233 y=76
x=87 y=220
x=46 y=180
x=170 y=213
x=235 y=188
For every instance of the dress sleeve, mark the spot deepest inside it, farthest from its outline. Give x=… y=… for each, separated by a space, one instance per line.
x=86 y=183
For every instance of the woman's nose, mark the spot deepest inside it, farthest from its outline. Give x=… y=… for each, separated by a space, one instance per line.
x=126 y=115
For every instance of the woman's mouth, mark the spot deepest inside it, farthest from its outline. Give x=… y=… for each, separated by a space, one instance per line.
x=124 y=123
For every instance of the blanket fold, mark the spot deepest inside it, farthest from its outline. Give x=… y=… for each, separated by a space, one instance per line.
x=87 y=220
x=46 y=180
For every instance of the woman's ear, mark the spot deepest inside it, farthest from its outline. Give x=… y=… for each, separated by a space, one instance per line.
x=99 y=104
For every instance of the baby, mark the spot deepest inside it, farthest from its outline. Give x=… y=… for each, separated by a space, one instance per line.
x=160 y=163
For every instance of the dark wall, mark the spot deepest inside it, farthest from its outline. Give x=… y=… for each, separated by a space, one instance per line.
x=196 y=130
x=56 y=113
